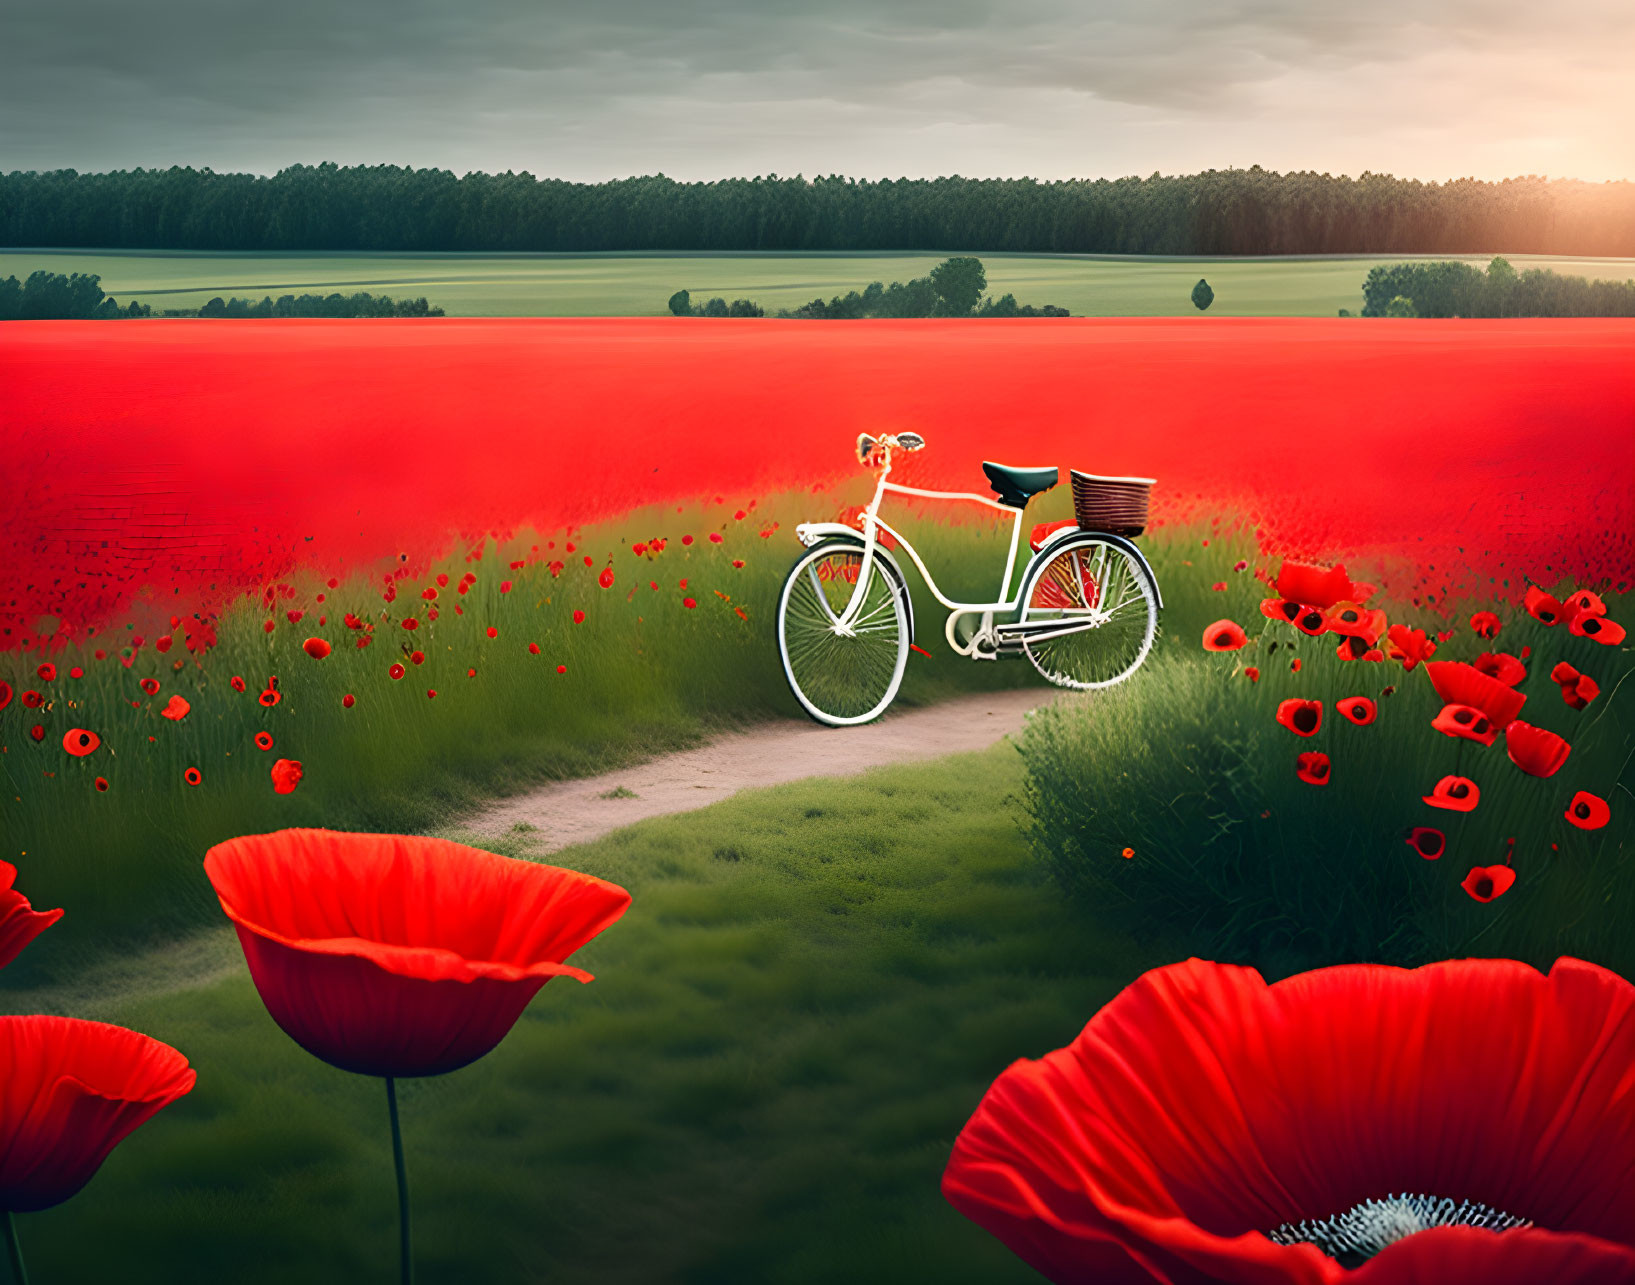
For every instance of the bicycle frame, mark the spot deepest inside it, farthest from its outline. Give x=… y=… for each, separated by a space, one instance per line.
x=873 y=524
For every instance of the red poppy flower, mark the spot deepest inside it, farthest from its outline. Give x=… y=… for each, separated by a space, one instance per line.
x=76 y=672
x=348 y=701
x=20 y=923
x=1460 y=684
x=1577 y=689
x=1410 y=646
x=47 y=673
x=1429 y=843
x=317 y=648
x=1484 y=883
x=73 y=1091
x=1501 y=667
x=533 y=649
x=505 y=586
x=1356 y=622
x=32 y=700
x=1251 y=673
x=493 y=632
x=1584 y=603
x=176 y=709
x=1319 y=587
x=286 y=775
x=737 y=562
x=411 y=622
x=80 y=742
x=1225 y=635
x=689 y=603
x=5 y=694
x=263 y=740
x=1285 y=609
x=606 y=578
x=578 y=617
x=428 y=593
x=418 y=657
x=1588 y=811
x=1541 y=606
x=1608 y=633
x=1465 y=722
x=1534 y=750
x=1301 y=717
x=1207 y=1127
x=236 y=683
x=192 y=776
x=395 y=956
x=1455 y=793
x=1484 y=624
x=102 y=783
x=1359 y=709
x=1312 y=768
x=269 y=697
x=397 y=671
x=37 y=732
x=561 y=669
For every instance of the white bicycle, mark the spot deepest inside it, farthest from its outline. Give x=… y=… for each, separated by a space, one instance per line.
x=1085 y=608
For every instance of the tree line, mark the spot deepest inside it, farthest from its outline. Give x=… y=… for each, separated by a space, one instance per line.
x=954 y=288
x=1225 y=212
x=1455 y=289
x=52 y=296
x=55 y=296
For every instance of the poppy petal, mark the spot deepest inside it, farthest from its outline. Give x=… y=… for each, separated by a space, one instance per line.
x=1460 y=684
x=394 y=955
x=1523 y=1256
x=1485 y=883
x=1454 y=793
x=20 y=923
x=1534 y=750
x=1202 y=1107
x=1358 y=709
x=1465 y=722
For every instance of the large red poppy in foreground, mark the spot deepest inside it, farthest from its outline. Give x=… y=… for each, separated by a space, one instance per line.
x=72 y=1091
x=1204 y=1123
x=20 y=923
x=397 y=956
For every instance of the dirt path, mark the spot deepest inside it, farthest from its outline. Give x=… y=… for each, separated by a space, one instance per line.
x=577 y=811
x=569 y=812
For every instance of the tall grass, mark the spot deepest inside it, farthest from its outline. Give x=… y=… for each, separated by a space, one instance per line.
x=1186 y=767
x=643 y=673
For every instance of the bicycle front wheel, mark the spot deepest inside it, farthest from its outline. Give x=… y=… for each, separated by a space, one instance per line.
x=842 y=675
x=1102 y=598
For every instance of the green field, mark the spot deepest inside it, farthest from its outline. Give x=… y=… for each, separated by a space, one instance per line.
x=618 y=285
x=812 y=989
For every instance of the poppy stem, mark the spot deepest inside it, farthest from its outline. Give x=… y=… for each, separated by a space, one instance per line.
x=405 y=1257
x=19 y=1273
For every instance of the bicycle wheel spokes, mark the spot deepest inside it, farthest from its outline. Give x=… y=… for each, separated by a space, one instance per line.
x=1099 y=586
x=842 y=676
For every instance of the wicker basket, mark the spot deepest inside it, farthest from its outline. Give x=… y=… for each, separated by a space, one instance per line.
x=1116 y=505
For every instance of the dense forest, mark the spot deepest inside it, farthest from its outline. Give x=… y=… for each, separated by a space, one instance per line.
x=1253 y=211
x=1460 y=290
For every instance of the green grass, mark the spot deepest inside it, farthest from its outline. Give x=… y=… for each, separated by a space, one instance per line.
x=812 y=989
x=645 y=674
x=1238 y=859
x=593 y=285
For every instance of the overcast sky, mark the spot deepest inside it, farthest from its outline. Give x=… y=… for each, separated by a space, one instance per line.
x=872 y=88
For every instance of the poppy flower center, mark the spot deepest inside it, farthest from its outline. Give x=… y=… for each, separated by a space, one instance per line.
x=1305 y=720
x=1352 y=1238
x=1484 y=887
x=1459 y=791
x=1582 y=811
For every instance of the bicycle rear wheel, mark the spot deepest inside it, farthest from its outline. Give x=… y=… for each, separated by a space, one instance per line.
x=842 y=677
x=1107 y=592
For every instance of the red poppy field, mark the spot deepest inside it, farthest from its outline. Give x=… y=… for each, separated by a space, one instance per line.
x=209 y=461
x=363 y=576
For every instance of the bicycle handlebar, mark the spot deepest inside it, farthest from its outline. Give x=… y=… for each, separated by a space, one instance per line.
x=874 y=451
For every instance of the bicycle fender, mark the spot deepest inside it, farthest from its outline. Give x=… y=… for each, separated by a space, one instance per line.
x=1062 y=538
x=813 y=533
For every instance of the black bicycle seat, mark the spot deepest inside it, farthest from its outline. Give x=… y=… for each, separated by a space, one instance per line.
x=1016 y=486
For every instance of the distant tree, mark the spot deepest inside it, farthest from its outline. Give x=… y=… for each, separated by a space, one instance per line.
x=745 y=308
x=1401 y=306
x=1202 y=295
x=681 y=303
x=716 y=307
x=959 y=283
x=1345 y=312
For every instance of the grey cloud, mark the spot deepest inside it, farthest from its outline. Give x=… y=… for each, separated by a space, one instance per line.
x=100 y=83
